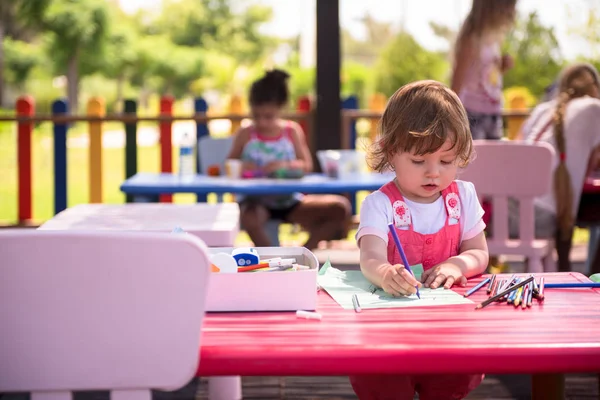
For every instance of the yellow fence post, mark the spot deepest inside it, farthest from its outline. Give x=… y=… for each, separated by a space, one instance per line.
x=95 y=108
x=235 y=108
x=514 y=122
x=376 y=104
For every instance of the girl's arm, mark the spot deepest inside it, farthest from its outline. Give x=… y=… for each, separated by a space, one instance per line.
x=239 y=141
x=373 y=258
x=393 y=279
x=474 y=256
x=465 y=56
x=304 y=159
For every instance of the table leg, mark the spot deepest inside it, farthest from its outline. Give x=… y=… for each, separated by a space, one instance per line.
x=224 y=388
x=548 y=387
x=144 y=198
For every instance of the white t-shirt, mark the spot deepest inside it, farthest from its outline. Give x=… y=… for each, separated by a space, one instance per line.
x=376 y=213
x=582 y=135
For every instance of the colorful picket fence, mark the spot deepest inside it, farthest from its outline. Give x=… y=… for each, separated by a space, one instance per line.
x=96 y=116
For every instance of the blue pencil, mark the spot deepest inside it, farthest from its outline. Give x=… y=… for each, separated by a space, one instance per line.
x=573 y=285
x=477 y=287
x=401 y=252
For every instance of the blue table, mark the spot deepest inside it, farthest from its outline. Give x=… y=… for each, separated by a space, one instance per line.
x=145 y=186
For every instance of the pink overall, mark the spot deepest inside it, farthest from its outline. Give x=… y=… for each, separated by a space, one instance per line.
x=429 y=250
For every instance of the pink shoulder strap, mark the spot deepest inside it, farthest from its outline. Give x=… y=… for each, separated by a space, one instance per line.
x=451 y=197
x=391 y=191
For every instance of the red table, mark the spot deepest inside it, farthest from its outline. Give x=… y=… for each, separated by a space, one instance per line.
x=560 y=335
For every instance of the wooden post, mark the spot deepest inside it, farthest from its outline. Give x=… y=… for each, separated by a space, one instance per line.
x=95 y=108
x=25 y=107
x=377 y=104
x=130 y=107
x=60 y=107
x=513 y=123
x=349 y=132
x=235 y=108
x=166 y=146
x=328 y=133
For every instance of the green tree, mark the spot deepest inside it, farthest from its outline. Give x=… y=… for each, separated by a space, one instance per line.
x=537 y=55
x=404 y=60
x=77 y=32
x=18 y=20
x=213 y=25
x=378 y=35
x=121 y=55
x=175 y=67
x=20 y=58
x=588 y=29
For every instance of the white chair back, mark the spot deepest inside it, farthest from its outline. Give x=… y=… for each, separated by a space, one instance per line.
x=119 y=311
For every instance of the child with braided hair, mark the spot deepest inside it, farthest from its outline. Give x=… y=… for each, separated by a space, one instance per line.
x=570 y=123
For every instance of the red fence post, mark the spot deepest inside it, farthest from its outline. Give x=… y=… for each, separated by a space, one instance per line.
x=25 y=107
x=166 y=147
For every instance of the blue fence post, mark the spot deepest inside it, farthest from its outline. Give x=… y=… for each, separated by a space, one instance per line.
x=60 y=108
x=200 y=107
x=351 y=103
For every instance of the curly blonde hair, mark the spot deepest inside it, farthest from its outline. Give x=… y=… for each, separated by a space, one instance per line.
x=420 y=117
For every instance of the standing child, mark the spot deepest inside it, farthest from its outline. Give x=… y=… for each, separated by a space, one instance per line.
x=425 y=139
x=479 y=64
x=271 y=144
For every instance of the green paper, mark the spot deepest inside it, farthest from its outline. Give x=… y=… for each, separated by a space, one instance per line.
x=341 y=285
x=595 y=278
x=324 y=268
x=417 y=271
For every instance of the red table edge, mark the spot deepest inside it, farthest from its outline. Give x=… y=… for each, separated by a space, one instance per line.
x=354 y=359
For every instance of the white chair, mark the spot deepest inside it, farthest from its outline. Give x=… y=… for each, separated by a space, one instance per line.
x=503 y=169
x=214 y=151
x=100 y=311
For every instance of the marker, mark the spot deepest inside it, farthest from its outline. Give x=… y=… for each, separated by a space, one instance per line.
x=503 y=293
x=491 y=285
x=355 y=303
x=401 y=252
x=572 y=285
x=276 y=263
x=308 y=315
x=477 y=287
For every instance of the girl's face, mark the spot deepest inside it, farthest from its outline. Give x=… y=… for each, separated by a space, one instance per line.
x=422 y=178
x=265 y=117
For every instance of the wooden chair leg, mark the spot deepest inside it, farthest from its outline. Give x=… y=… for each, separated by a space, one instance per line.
x=548 y=387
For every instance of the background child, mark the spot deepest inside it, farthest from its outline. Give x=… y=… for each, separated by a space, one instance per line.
x=479 y=64
x=570 y=123
x=425 y=139
x=270 y=144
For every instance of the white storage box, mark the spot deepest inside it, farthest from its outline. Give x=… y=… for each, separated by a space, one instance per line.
x=342 y=163
x=266 y=291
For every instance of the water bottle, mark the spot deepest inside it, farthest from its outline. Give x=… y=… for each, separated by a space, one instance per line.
x=187 y=161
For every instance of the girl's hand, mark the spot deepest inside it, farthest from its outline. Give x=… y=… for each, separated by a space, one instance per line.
x=397 y=281
x=507 y=62
x=446 y=274
x=249 y=166
x=275 y=165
